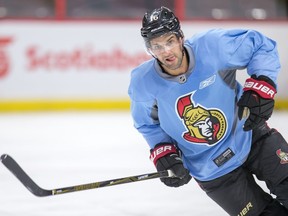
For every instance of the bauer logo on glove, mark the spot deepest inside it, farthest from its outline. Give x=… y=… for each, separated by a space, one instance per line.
x=256 y=103
x=261 y=87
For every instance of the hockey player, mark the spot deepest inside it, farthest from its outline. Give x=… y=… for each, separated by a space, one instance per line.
x=192 y=111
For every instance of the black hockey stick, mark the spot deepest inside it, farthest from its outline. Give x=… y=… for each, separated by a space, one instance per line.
x=21 y=175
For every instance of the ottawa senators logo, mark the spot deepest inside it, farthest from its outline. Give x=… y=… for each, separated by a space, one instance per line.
x=204 y=126
x=283 y=156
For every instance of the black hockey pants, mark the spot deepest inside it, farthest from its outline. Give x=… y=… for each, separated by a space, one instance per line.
x=239 y=194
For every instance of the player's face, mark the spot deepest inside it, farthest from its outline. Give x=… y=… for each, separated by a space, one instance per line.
x=205 y=127
x=168 y=49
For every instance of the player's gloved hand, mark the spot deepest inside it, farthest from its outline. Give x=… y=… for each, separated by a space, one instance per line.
x=165 y=156
x=258 y=97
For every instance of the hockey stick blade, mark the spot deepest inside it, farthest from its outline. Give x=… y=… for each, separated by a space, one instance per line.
x=22 y=176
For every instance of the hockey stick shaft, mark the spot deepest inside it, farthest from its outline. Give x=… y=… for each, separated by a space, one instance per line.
x=21 y=175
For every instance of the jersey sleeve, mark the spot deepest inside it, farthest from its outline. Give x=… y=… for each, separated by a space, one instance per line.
x=247 y=49
x=144 y=111
x=146 y=122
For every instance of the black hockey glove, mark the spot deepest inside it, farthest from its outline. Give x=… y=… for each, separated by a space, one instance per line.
x=258 y=98
x=165 y=156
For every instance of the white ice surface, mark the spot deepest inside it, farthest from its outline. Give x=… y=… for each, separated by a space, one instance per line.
x=71 y=148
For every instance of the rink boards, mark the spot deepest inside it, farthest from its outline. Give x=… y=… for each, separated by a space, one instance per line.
x=57 y=65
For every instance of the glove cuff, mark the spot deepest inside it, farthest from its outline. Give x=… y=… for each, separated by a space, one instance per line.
x=264 y=89
x=162 y=150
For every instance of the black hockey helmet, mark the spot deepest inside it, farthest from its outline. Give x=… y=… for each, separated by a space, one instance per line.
x=158 y=22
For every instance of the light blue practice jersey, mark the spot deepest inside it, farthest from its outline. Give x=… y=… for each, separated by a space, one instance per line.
x=197 y=110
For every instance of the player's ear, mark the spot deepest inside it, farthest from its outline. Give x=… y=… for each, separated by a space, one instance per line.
x=181 y=40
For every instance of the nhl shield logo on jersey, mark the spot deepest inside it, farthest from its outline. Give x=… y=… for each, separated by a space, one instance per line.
x=283 y=156
x=204 y=126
